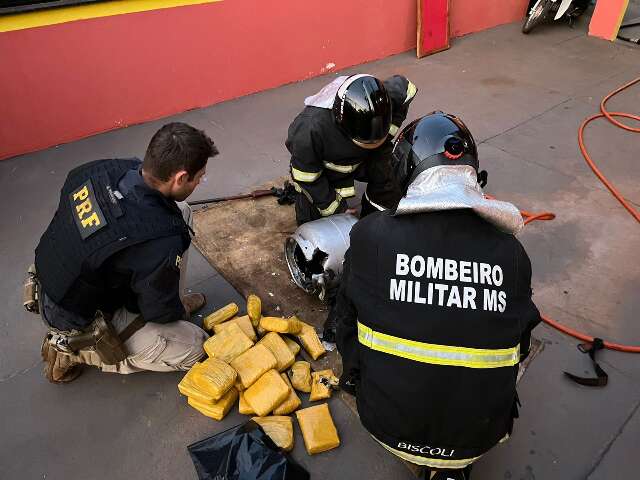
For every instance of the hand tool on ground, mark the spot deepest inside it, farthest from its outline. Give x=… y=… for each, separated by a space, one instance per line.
x=285 y=196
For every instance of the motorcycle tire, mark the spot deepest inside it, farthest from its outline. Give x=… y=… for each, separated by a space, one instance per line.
x=538 y=15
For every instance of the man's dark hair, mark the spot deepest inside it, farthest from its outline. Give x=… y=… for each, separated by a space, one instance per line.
x=178 y=146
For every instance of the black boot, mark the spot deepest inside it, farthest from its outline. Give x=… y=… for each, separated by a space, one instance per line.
x=330 y=324
x=460 y=474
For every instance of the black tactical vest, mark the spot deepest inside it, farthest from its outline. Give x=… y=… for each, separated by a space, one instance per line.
x=443 y=300
x=93 y=222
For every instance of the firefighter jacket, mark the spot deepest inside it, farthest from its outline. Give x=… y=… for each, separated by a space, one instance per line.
x=434 y=316
x=113 y=242
x=325 y=162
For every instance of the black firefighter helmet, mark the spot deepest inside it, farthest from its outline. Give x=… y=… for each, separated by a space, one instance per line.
x=435 y=139
x=362 y=109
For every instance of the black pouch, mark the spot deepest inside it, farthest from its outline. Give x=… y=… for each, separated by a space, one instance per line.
x=243 y=452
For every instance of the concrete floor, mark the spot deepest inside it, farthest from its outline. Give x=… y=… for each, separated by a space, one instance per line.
x=523 y=98
x=631 y=16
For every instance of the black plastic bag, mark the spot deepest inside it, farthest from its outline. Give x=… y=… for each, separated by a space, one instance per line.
x=243 y=452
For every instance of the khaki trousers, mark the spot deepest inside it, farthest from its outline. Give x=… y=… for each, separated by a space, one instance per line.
x=157 y=347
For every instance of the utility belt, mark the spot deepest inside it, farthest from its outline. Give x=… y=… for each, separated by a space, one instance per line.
x=99 y=336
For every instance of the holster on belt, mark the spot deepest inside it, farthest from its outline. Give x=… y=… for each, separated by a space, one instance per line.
x=100 y=335
x=103 y=338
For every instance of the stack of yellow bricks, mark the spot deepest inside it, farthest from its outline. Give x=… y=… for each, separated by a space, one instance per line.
x=252 y=361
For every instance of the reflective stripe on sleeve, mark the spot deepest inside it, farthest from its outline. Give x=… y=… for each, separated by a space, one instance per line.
x=411 y=92
x=393 y=129
x=331 y=209
x=301 y=176
x=438 y=354
x=341 y=168
x=346 y=192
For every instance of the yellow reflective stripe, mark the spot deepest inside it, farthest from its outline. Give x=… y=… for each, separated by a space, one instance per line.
x=428 y=461
x=301 y=176
x=393 y=129
x=54 y=16
x=346 y=192
x=341 y=168
x=299 y=189
x=331 y=209
x=411 y=92
x=438 y=354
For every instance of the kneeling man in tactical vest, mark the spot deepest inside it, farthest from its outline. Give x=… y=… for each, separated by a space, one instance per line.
x=109 y=266
x=434 y=311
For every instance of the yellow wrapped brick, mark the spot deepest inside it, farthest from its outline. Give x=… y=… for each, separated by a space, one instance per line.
x=214 y=377
x=280 y=350
x=310 y=341
x=243 y=407
x=251 y=364
x=279 y=429
x=300 y=376
x=243 y=322
x=291 y=403
x=219 y=316
x=321 y=384
x=295 y=325
x=318 y=430
x=189 y=388
x=254 y=309
x=218 y=410
x=292 y=344
x=267 y=393
x=228 y=344
x=281 y=325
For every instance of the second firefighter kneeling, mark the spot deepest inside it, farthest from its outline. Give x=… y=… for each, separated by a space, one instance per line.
x=434 y=311
x=344 y=134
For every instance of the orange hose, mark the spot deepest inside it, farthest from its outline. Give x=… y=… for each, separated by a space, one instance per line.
x=589 y=339
x=529 y=216
x=611 y=115
x=532 y=217
x=593 y=166
x=634 y=212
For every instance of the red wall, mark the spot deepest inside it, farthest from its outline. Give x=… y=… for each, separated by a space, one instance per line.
x=468 y=16
x=63 y=82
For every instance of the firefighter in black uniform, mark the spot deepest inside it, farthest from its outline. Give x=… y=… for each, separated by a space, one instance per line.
x=344 y=134
x=435 y=311
x=110 y=262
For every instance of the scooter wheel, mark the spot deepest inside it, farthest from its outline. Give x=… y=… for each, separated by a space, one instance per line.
x=537 y=15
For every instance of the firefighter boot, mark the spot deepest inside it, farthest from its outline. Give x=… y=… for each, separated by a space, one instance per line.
x=462 y=474
x=330 y=327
